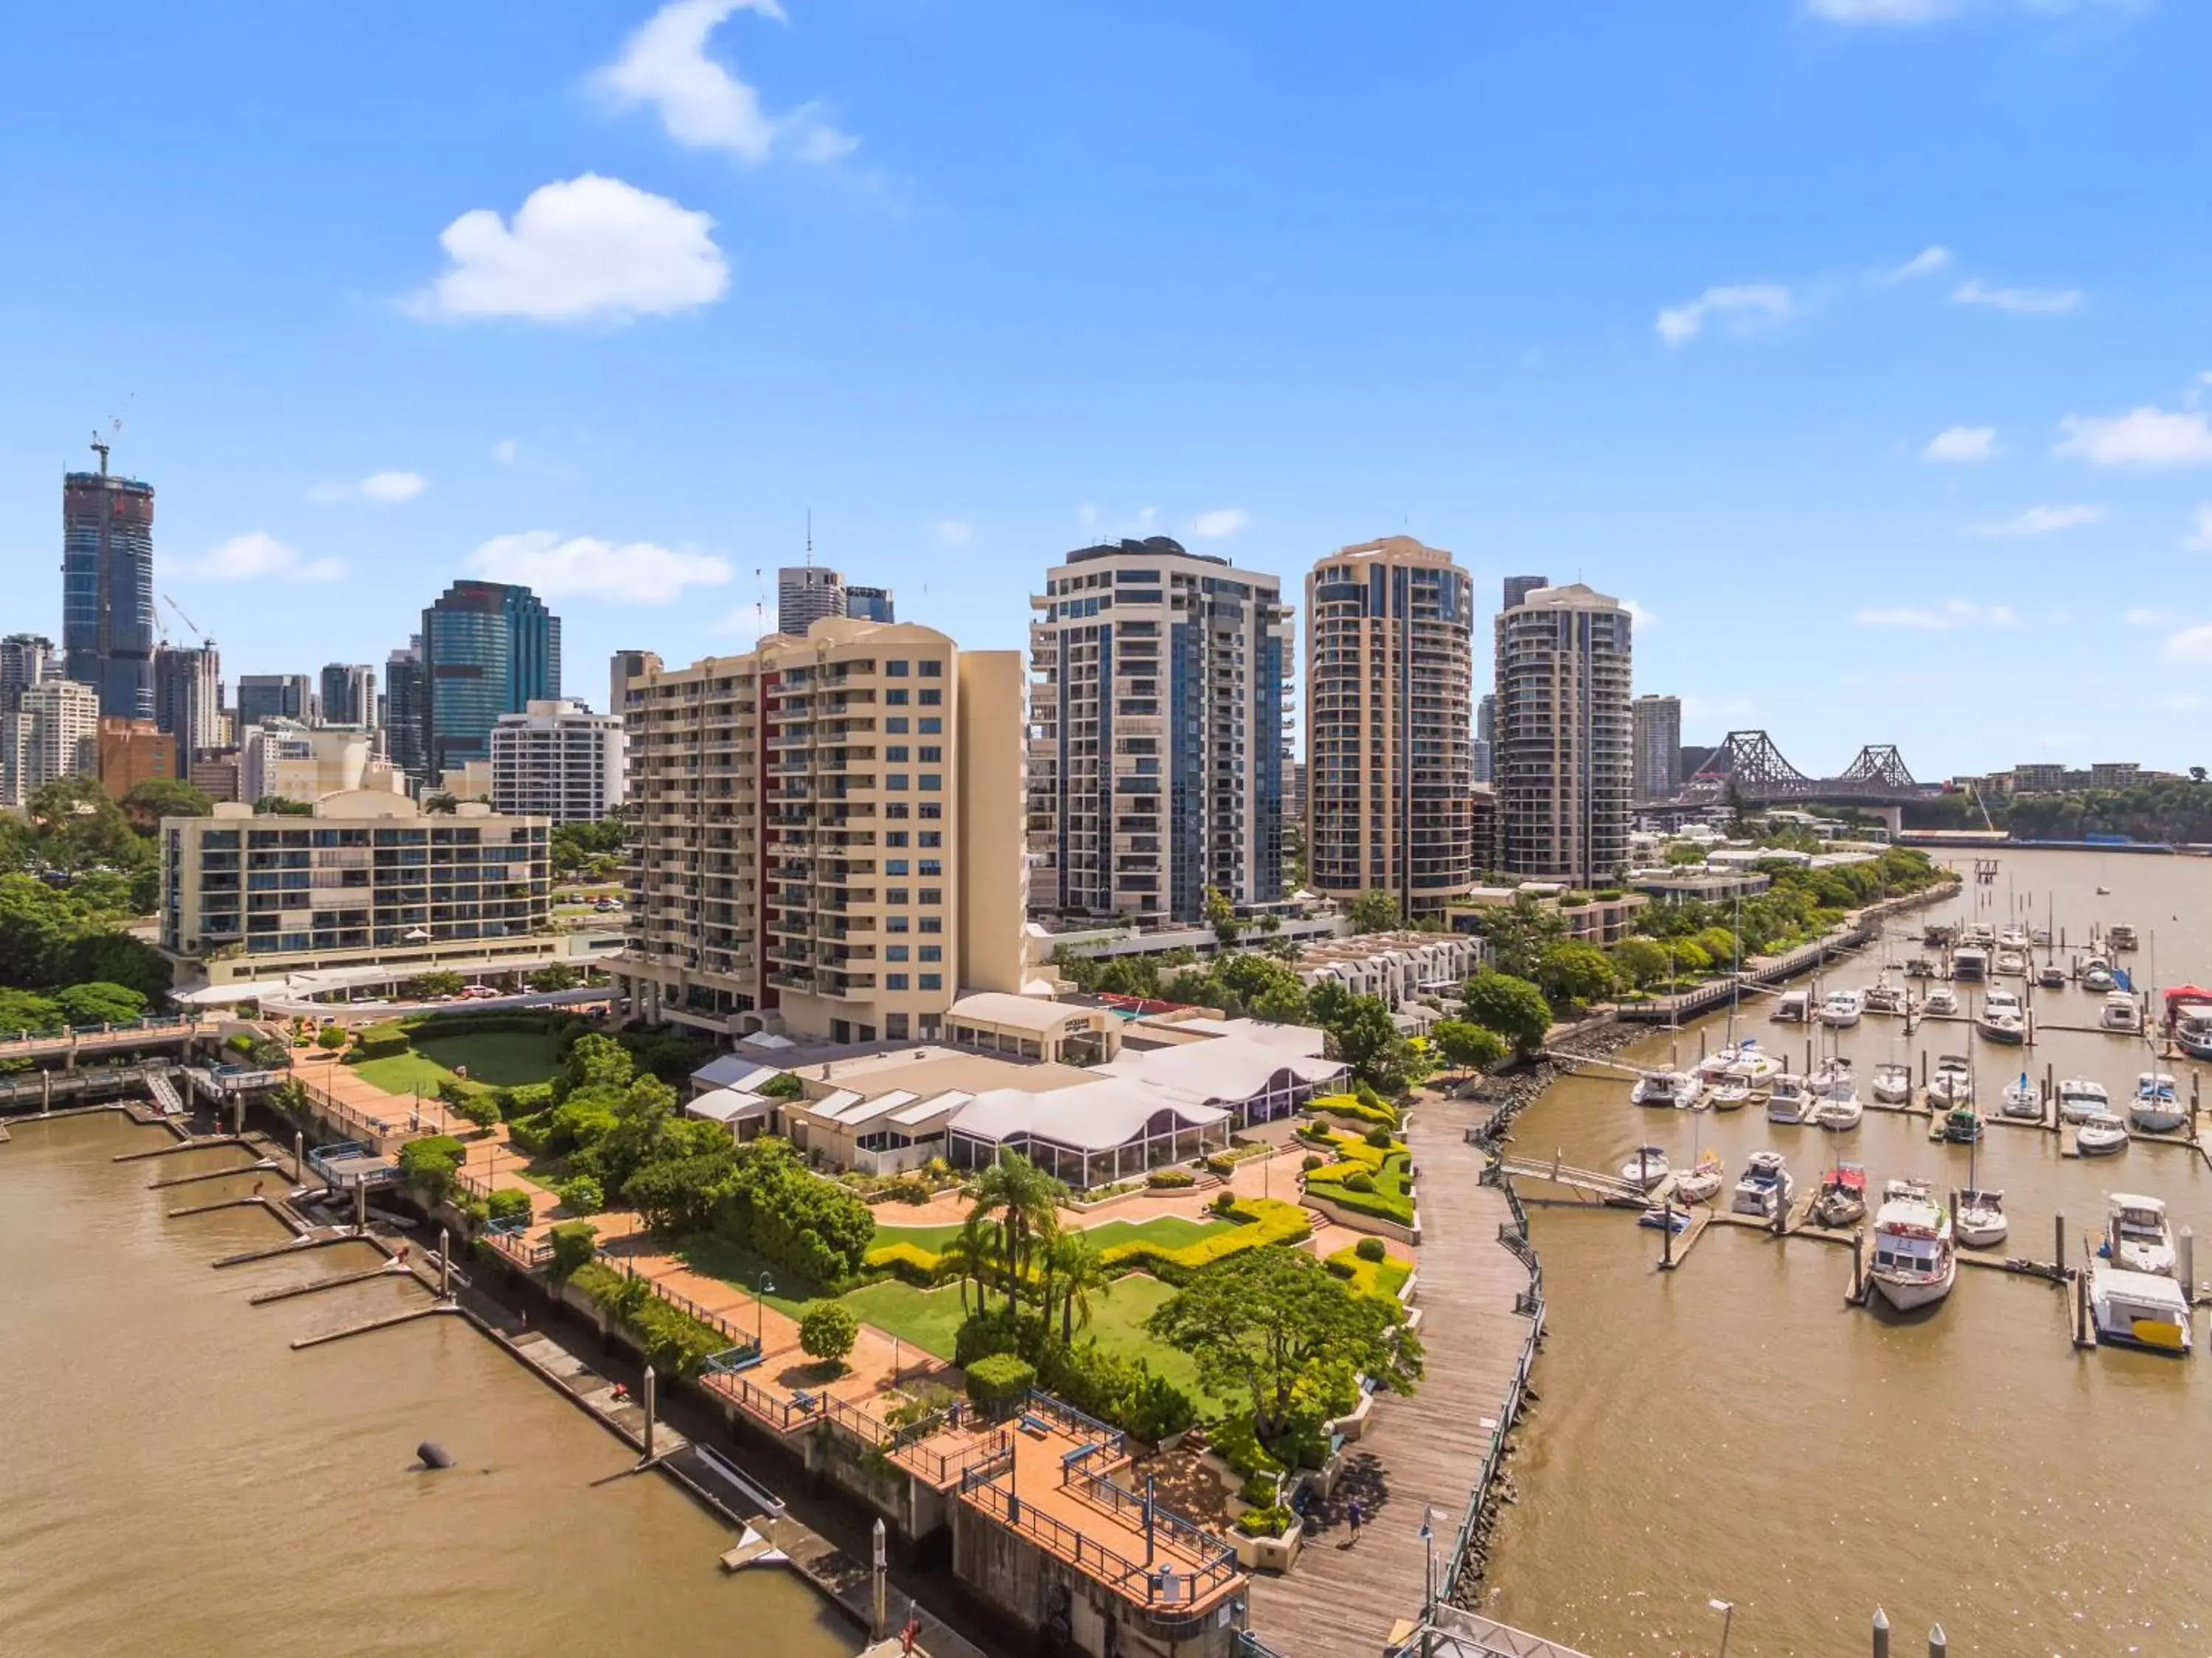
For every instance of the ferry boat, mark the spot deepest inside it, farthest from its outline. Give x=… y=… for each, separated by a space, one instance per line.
x=2120 y=1013
x=1842 y=1008
x=1792 y=1008
x=1953 y=1082
x=2140 y=1309
x=1789 y=1101
x=1702 y=1184
x=2079 y=1099
x=2120 y=936
x=1647 y=1168
x=2157 y=1107
x=1675 y=1090
x=1914 y=1261
x=2023 y=1098
x=2137 y=1236
x=1882 y=996
x=1981 y=1223
x=1969 y=964
x=2100 y=1136
x=1941 y=999
x=2097 y=975
x=1842 y=1201
x=1892 y=1082
x=1765 y=1187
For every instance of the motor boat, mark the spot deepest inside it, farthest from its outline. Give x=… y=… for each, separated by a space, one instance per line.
x=2079 y=1099
x=1920 y=967
x=1939 y=935
x=2013 y=937
x=1702 y=1184
x=1982 y=934
x=2137 y=1234
x=2052 y=976
x=2001 y=1021
x=1792 y=1008
x=2104 y=892
x=1752 y=1063
x=1665 y=1217
x=1675 y=1090
x=1789 y=1101
x=2140 y=1309
x=1836 y=1096
x=1765 y=1187
x=1882 y=996
x=1953 y=1082
x=2011 y=964
x=2100 y=1136
x=1842 y=1008
x=1914 y=1263
x=1981 y=1222
x=1970 y=963
x=1842 y=1201
x=2193 y=1028
x=2097 y=975
x=2120 y=936
x=2022 y=1098
x=2121 y=1014
x=2039 y=937
x=2157 y=1107
x=1715 y=1065
x=1892 y=1082
x=1941 y=1000
x=1729 y=1093
x=1647 y=1168
x=1962 y=1125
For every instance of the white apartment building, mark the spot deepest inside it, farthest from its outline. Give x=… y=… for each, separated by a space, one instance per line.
x=805 y=594
x=291 y=761
x=1565 y=761
x=1156 y=737
x=53 y=733
x=558 y=759
x=828 y=835
x=1658 y=740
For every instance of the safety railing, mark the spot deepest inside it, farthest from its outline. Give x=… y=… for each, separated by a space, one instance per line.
x=782 y=1414
x=942 y=1468
x=1160 y=1586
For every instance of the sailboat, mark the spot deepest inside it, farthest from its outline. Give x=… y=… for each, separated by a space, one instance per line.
x=1980 y=1222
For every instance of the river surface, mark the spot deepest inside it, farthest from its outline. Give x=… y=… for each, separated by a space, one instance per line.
x=175 y=1479
x=1733 y=1431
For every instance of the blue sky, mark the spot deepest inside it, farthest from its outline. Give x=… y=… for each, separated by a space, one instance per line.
x=1861 y=342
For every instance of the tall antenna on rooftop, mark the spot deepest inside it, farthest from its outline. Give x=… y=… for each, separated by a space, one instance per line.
x=810 y=538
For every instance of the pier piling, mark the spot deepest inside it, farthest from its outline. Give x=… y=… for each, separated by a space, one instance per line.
x=444 y=1265
x=652 y=1403
x=1937 y=1646
x=2185 y=1259
x=2082 y=1338
x=1881 y=1633
x=1858 y=1268
x=2058 y=1246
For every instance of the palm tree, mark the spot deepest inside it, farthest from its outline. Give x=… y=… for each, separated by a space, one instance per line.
x=975 y=1246
x=1025 y=1201
x=1075 y=1261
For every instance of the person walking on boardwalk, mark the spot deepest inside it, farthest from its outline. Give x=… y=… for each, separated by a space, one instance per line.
x=1355 y=1515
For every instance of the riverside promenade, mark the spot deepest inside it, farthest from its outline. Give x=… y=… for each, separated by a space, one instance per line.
x=1420 y=1456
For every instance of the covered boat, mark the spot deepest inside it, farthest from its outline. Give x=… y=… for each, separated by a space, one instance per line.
x=1842 y=1201
x=2157 y=1108
x=2137 y=1236
x=2140 y=1309
x=1915 y=1262
x=1892 y=1082
x=1765 y=1186
x=2080 y=1098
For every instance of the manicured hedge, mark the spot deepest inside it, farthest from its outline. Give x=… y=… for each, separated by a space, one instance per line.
x=1355 y=1110
x=1262 y=1221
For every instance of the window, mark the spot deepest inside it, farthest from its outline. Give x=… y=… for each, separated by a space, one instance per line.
x=932 y=783
x=933 y=923
x=897 y=809
x=932 y=755
x=897 y=725
x=894 y=780
x=897 y=952
x=930 y=838
x=896 y=895
x=895 y=866
x=931 y=697
x=894 y=923
x=932 y=895
x=894 y=1027
x=929 y=981
x=929 y=725
x=933 y=670
x=930 y=953
x=897 y=838
x=896 y=697
x=933 y=867
x=930 y=810
x=895 y=981
x=897 y=670
x=897 y=753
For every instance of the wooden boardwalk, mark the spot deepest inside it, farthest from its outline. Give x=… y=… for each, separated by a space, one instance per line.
x=1421 y=1453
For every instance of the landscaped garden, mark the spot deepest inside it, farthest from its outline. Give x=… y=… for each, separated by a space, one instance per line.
x=476 y=1059
x=1370 y=1175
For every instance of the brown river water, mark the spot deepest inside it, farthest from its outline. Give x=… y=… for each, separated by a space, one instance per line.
x=175 y=1479
x=1733 y=1431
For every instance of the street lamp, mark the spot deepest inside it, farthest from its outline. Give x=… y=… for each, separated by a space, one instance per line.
x=1727 y=1610
x=766 y=1288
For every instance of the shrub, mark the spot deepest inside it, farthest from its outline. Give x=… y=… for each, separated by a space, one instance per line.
x=1156 y=1410
x=1221 y=1163
x=382 y=1041
x=527 y=1100
x=508 y=1203
x=911 y=1262
x=332 y=1039
x=528 y=1136
x=1337 y=1268
x=989 y=1335
x=1358 y=1180
x=428 y=1164
x=1266 y=1522
x=1000 y=1382
x=781 y=1086
x=1312 y=1161
x=1370 y=1249
x=574 y=1243
x=1379 y=1137
x=581 y=1195
x=828 y=1331
x=475 y=1105
x=1167 y=1179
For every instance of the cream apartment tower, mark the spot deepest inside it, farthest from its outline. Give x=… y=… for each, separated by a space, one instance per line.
x=1565 y=763
x=1155 y=736
x=1389 y=666
x=828 y=840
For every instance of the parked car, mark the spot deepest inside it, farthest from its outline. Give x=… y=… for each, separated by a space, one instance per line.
x=477 y=993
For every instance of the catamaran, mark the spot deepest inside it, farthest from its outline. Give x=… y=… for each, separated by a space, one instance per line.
x=1676 y=1090
x=1914 y=1261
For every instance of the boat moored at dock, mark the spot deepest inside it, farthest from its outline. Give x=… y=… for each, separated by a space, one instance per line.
x=2137 y=1234
x=2080 y=1100
x=2120 y=936
x=2157 y=1107
x=1981 y=1223
x=2140 y=1309
x=2100 y=1136
x=1702 y=1184
x=1792 y=1008
x=1789 y=1101
x=2001 y=1019
x=1674 y=1090
x=1969 y=964
x=1914 y=1263
x=1882 y=996
x=1941 y=1000
x=1892 y=1082
x=2192 y=1027
x=1842 y=1201
x=1953 y=1082
x=2120 y=1013
x=2052 y=976
x=1765 y=1186
x=2097 y=975
x=2022 y=1099
x=1647 y=1168
x=1842 y=1008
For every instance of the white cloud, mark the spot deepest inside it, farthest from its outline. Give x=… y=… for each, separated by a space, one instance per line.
x=2191 y=646
x=505 y=450
x=2145 y=616
x=586 y=249
x=1643 y=620
x=1939 y=619
x=2036 y=301
x=634 y=572
x=1223 y=520
x=1962 y=445
x=2199 y=539
x=257 y=556
x=2140 y=437
x=1147 y=522
x=700 y=104
x=2186 y=702
x=1751 y=305
x=956 y=532
x=385 y=487
x=1926 y=263
x=2043 y=521
x=1880 y=11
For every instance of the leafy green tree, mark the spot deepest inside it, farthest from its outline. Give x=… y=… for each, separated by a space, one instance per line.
x=574 y=1243
x=25 y=1011
x=148 y=802
x=1362 y=1034
x=279 y=806
x=1573 y=973
x=1075 y=1271
x=1682 y=853
x=1719 y=945
x=435 y=983
x=332 y=1037
x=1221 y=916
x=101 y=1002
x=1641 y=961
x=827 y=1332
x=558 y=977
x=1265 y=1323
x=1512 y=1006
x=676 y=1197
x=1517 y=933
x=79 y=824
x=1374 y=912
x=1465 y=1046
x=117 y=959
x=429 y=1164
x=1691 y=960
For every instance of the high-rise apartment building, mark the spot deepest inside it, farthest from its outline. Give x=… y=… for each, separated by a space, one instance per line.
x=349 y=694
x=1518 y=587
x=622 y=669
x=828 y=835
x=558 y=759
x=1657 y=735
x=188 y=699
x=488 y=648
x=805 y=594
x=404 y=705
x=25 y=660
x=1389 y=666
x=870 y=605
x=1565 y=744
x=54 y=733
x=1482 y=753
x=1156 y=707
x=265 y=696
x=107 y=587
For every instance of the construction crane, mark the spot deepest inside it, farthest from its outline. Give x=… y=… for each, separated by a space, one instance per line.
x=186 y=620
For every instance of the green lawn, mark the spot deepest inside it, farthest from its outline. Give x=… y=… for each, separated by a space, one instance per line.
x=716 y=1258
x=931 y=1238
x=1167 y=1231
x=494 y=1058
x=927 y=1318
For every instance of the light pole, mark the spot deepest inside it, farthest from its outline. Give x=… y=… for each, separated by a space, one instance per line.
x=1428 y=1580
x=1727 y=1610
x=763 y=1290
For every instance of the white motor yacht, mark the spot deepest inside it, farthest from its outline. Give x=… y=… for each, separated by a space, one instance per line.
x=2097 y=975
x=1892 y=1082
x=2052 y=976
x=1789 y=1101
x=1842 y=1008
x=2080 y=1100
x=2120 y=936
x=2121 y=1014
x=2022 y=1098
x=1953 y=1084
x=1647 y=1168
x=1765 y=1187
x=1882 y=996
x=1941 y=1000
x=2100 y=1136
x=2011 y=964
x=1792 y=1008
x=2137 y=1236
x=1729 y=1093
x=2001 y=1019
x=1915 y=1264
x=2157 y=1107
x=1676 y=1090
x=1969 y=964
x=1981 y=1223
x=2140 y=1309
x=1752 y=1063
x=1982 y=933
x=2193 y=1028
x=1836 y=1096
x=2014 y=938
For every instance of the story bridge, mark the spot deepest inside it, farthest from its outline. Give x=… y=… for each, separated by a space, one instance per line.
x=1749 y=766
